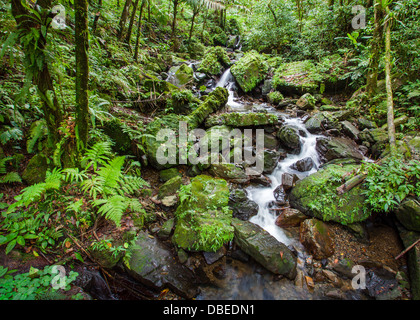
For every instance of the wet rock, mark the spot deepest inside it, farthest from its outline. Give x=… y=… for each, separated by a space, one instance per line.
x=316 y=196
x=280 y=195
x=166 y=229
x=240 y=119
x=264 y=248
x=337 y=148
x=335 y=294
x=261 y=180
x=350 y=130
x=238 y=254
x=290 y=218
x=220 y=272
x=271 y=159
x=306 y=102
x=344 y=267
x=229 y=171
x=303 y=165
x=289 y=138
x=270 y=141
x=382 y=285
x=206 y=206
x=170 y=187
x=321 y=121
x=408 y=213
x=153 y=264
x=242 y=207
x=288 y=180
x=317 y=238
x=331 y=277
x=212 y=257
x=250 y=70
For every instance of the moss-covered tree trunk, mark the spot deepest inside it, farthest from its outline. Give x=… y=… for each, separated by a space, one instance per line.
x=97 y=16
x=195 y=12
x=130 y=25
x=388 y=83
x=39 y=74
x=136 y=49
x=82 y=74
x=175 y=2
x=372 y=77
x=123 y=19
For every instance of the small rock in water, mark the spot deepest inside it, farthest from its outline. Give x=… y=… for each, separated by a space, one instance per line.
x=288 y=180
x=280 y=195
x=303 y=165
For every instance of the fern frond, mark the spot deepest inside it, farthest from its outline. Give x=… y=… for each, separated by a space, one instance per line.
x=11 y=134
x=73 y=175
x=131 y=184
x=10 y=178
x=112 y=208
x=93 y=186
x=53 y=179
x=3 y=164
x=29 y=195
x=99 y=153
x=111 y=173
x=38 y=130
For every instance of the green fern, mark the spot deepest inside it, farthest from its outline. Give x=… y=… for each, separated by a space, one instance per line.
x=10 y=178
x=74 y=175
x=99 y=153
x=3 y=163
x=113 y=208
x=11 y=134
x=38 y=130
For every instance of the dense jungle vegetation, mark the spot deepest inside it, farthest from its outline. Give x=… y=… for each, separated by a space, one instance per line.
x=85 y=85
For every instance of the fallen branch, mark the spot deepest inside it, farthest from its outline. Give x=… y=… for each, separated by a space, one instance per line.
x=351 y=183
x=407 y=249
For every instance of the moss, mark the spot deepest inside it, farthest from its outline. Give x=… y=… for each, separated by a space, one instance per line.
x=36 y=169
x=316 y=196
x=214 y=60
x=275 y=97
x=250 y=70
x=203 y=217
x=238 y=119
x=122 y=141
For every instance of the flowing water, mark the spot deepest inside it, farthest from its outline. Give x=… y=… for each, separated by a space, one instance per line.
x=248 y=281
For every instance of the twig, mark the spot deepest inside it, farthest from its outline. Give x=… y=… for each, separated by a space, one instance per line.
x=407 y=249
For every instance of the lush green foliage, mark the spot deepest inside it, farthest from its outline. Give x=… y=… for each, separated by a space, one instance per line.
x=389 y=183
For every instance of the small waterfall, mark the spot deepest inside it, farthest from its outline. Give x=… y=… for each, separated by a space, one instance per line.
x=227 y=81
x=263 y=196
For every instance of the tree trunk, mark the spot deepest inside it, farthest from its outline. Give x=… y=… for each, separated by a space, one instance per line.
x=388 y=83
x=136 y=50
x=372 y=77
x=41 y=76
x=123 y=18
x=192 y=26
x=97 y=16
x=174 y=20
x=82 y=75
x=130 y=26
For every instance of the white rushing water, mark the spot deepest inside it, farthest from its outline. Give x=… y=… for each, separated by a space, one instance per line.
x=264 y=195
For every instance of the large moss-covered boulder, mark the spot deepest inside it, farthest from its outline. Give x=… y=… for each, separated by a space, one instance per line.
x=36 y=169
x=337 y=148
x=203 y=217
x=264 y=248
x=154 y=265
x=215 y=59
x=316 y=196
x=250 y=70
x=300 y=77
x=408 y=213
x=240 y=119
x=290 y=139
x=230 y=171
x=182 y=76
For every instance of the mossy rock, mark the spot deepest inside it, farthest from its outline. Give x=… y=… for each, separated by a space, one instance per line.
x=170 y=187
x=168 y=174
x=240 y=119
x=306 y=102
x=289 y=138
x=275 y=97
x=122 y=141
x=229 y=171
x=250 y=70
x=183 y=75
x=215 y=59
x=203 y=217
x=316 y=196
x=36 y=169
x=408 y=213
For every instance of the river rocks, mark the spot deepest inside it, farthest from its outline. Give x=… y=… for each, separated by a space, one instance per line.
x=321 y=121
x=303 y=165
x=288 y=180
x=408 y=213
x=280 y=195
x=270 y=141
x=289 y=138
x=264 y=248
x=317 y=238
x=306 y=102
x=350 y=130
x=363 y=123
x=316 y=196
x=214 y=60
x=203 y=217
x=155 y=266
x=229 y=171
x=240 y=119
x=271 y=159
x=290 y=217
x=182 y=76
x=170 y=187
x=242 y=207
x=337 y=148
x=166 y=229
x=250 y=70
